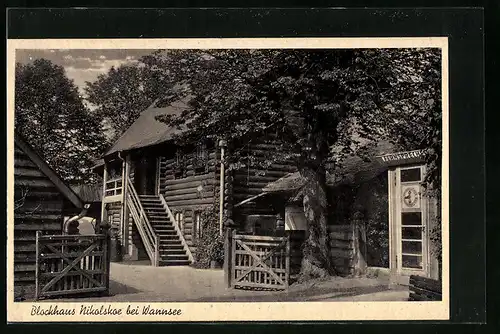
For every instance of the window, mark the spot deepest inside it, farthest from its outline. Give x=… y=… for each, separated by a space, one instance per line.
x=179 y=218
x=197 y=224
x=113 y=185
x=179 y=164
x=200 y=157
x=410 y=175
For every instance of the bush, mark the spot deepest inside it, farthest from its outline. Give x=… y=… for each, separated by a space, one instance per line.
x=210 y=246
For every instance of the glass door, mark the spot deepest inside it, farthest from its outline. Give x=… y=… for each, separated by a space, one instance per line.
x=411 y=221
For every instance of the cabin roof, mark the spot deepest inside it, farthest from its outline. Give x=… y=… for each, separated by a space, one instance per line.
x=147 y=131
x=88 y=192
x=353 y=170
x=48 y=171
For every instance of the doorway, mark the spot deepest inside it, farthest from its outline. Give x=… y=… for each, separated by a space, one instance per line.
x=408 y=220
x=146 y=176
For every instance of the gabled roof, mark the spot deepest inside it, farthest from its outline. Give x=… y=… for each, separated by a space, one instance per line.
x=354 y=170
x=48 y=171
x=147 y=131
x=88 y=192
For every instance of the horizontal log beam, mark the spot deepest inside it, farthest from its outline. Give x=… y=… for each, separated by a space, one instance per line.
x=204 y=195
x=36 y=183
x=191 y=202
x=426 y=283
x=169 y=192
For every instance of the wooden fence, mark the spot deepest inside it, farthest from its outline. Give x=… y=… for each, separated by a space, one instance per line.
x=68 y=265
x=424 y=289
x=263 y=262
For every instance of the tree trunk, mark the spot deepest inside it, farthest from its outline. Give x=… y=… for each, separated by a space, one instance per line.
x=316 y=262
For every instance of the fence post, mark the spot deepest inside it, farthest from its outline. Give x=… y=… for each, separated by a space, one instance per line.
x=232 y=272
x=105 y=230
x=227 y=257
x=287 y=260
x=37 y=265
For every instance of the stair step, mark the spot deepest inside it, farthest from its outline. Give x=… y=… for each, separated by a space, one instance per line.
x=168 y=257
x=171 y=247
x=161 y=228
x=158 y=215
x=175 y=263
x=152 y=201
x=176 y=252
x=172 y=244
x=164 y=237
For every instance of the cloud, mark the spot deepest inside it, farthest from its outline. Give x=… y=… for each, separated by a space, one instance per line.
x=83 y=65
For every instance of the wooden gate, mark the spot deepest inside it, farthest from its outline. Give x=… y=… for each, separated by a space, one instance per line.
x=68 y=265
x=260 y=262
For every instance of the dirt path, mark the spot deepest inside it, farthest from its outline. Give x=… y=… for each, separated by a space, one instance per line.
x=140 y=282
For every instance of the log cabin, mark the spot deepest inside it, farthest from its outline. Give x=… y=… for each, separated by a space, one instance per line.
x=41 y=201
x=154 y=191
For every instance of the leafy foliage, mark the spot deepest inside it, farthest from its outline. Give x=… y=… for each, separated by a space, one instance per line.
x=51 y=116
x=121 y=94
x=210 y=246
x=317 y=106
x=306 y=101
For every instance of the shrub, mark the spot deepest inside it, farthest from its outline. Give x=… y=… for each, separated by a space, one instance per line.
x=210 y=246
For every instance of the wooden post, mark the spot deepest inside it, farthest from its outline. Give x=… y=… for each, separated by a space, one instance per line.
x=105 y=230
x=37 y=265
x=287 y=261
x=222 y=144
x=125 y=216
x=232 y=271
x=228 y=257
x=103 y=206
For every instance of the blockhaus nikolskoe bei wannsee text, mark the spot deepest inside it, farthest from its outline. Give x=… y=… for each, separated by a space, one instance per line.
x=91 y=310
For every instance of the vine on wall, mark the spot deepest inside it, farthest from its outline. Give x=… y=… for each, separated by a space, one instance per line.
x=210 y=244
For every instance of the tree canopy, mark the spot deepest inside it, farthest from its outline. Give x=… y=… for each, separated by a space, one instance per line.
x=317 y=106
x=120 y=95
x=50 y=114
x=308 y=101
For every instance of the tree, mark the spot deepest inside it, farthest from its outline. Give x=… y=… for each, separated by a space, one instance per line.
x=304 y=101
x=121 y=94
x=51 y=116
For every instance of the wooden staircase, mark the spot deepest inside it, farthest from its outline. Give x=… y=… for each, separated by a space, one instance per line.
x=171 y=249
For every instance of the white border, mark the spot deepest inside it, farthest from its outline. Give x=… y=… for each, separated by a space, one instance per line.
x=235 y=311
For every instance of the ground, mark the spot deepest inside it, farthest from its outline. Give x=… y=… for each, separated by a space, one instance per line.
x=140 y=282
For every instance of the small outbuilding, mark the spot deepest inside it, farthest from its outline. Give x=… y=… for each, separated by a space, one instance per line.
x=41 y=201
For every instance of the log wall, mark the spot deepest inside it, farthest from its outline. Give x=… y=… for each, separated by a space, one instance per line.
x=424 y=289
x=251 y=179
x=42 y=211
x=191 y=192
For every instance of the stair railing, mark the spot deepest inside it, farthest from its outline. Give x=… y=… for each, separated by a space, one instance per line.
x=146 y=231
x=177 y=229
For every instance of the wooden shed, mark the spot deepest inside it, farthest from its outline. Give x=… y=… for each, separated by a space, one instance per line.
x=41 y=200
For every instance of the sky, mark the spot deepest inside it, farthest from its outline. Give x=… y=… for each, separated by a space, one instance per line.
x=83 y=65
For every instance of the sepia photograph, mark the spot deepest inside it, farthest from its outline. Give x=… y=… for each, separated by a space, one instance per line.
x=160 y=174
